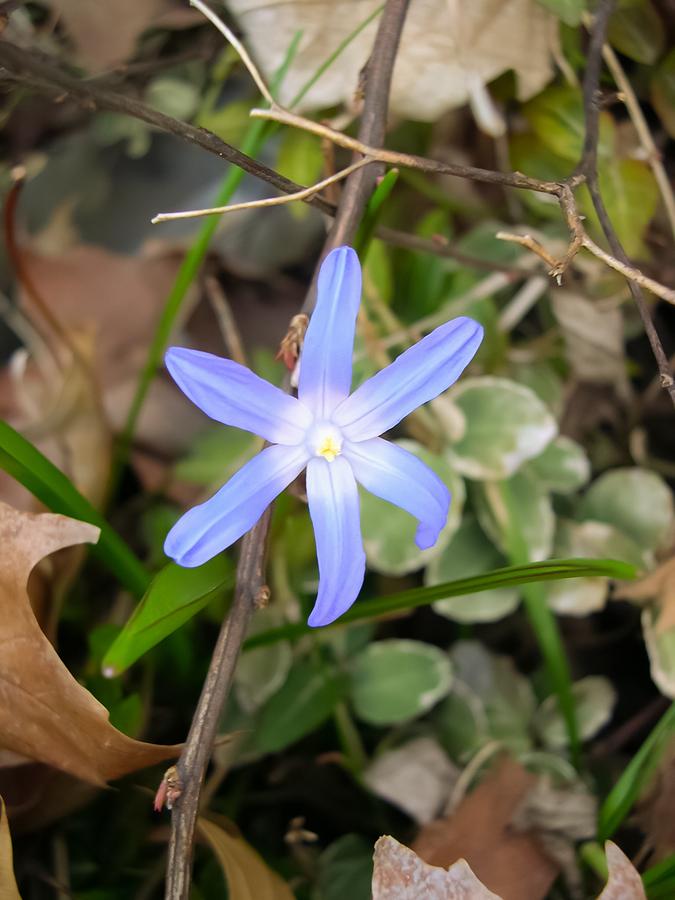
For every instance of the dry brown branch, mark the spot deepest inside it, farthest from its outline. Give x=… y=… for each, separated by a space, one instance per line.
x=304 y=194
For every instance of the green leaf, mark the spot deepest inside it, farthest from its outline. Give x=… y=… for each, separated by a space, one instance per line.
x=24 y=462
x=173 y=96
x=662 y=92
x=174 y=596
x=530 y=506
x=568 y=11
x=300 y=158
x=563 y=467
x=469 y=553
x=586 y=595
x=345 y=869
x=506 y=424
x=594 y=702
x=306 y=700
x=636 y=501
x=509 y=576
x=635 y=776
x=397 y=680
x=389 y=532
x=261 y=673
x=636 y=30
x=216 y=455
x=557 y=118
x=541 y=377
x=631 y=196
x=461 y=723
x=506 y=695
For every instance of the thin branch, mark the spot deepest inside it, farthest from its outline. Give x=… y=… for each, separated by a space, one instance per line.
x=250 y=571
x=226 y=320
x=35 y=70
x=267 y=201
x=230 y=36
x=407 y=160
x=588 y=168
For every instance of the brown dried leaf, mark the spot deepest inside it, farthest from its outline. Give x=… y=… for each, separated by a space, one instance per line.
x=399 y=874
x=511 y=864
x=624 y=882
x=449 y=50
x=45 y=715
x=248 y=875
x=655 y=810
x=8 y=888
x=659 y=586
x=105 y=34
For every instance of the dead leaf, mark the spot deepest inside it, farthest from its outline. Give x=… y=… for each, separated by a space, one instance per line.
x=655 y=809
x=45 y=715
x=658 y=586
x=399 y=874
x=512 y=864
x=248 y=875
x=417 y=777
x=117 y=300
x=8 y=888
x=624 y=882
x=105 y=34
x=449 y=50
x=593 y=338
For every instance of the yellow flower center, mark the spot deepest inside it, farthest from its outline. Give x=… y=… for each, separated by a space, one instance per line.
x=329 y=448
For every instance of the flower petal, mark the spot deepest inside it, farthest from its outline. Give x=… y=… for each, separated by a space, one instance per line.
x=395 y=475
x=207 y=529
x=232 y=394
x=334 y=508
x=420 y=374
x=326 y=360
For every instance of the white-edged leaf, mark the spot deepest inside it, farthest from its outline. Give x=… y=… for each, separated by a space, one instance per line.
x=563 y=467
x=531 y=508
x=592 y=540
x=661 y=650
x=594 y=701
x=470 y=553
x=636 y=501
x=262 y=671
x=506 y=424
x=397 y=680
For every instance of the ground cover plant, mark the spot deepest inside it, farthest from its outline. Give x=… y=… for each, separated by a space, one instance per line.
x=336 y=510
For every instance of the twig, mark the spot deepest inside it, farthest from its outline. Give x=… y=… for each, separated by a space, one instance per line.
x=627 y=94
x=226 y=321
x=230 y=36
x=588 y=168
x=267 y=201
x=199 y=744
x=250 y=573
x=35 y=70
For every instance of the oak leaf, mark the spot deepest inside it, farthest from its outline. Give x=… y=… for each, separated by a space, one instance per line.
x=8 y=888
x=45 y=714
x=449 y=50
x=624 y=882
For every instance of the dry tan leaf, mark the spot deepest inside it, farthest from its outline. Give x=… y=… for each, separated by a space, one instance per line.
x=624 y=882
x=658 y=586
x=45 y=715
x=117 y=300
x=8 y=888
x=105 y=34
x=399 y=874
x=449 y=50
x=511 y=864
x=593 y=338
x=655 y=810
x=248 y=875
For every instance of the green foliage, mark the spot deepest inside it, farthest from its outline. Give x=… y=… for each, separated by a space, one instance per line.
x=174 y=596
x=305 y=701
x=397 y=680
x=636 y=30
x=568 y=11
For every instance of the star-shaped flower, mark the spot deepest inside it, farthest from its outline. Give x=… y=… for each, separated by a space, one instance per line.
x=328 y=431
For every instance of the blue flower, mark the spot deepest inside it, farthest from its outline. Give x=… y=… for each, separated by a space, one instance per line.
x=326 y=430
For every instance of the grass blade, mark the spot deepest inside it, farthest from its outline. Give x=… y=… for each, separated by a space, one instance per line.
x=45 y=481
